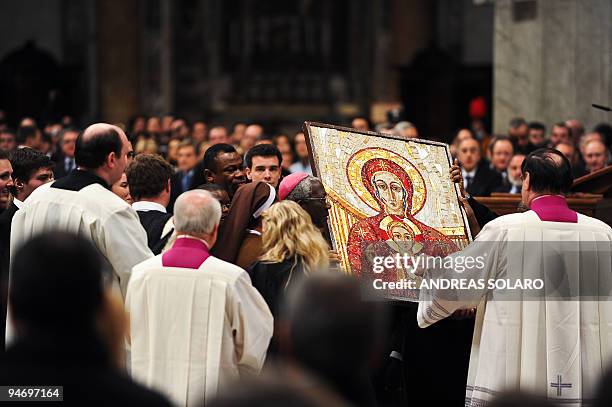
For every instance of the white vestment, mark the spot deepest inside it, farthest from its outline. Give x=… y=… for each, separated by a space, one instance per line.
x=195 y=330
x=93 y=212
x=553 y=347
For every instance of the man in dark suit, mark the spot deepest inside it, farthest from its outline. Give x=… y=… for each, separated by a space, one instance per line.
x=149 y=180
x=64 y=158
x=189 y=175
x=69 y=326
x=478 y=178
x=31 y=169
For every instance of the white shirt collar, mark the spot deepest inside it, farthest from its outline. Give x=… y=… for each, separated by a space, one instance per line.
x=19 y=204
x=472 y=173
x=145 y=206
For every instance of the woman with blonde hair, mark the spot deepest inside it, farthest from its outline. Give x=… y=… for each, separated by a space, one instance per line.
x=292 y=247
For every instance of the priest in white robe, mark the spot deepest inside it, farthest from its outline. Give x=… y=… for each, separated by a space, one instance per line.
x=83 y=203
x=556 y=341
x=196 y=322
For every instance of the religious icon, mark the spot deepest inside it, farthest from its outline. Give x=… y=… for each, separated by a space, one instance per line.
x=387 y=196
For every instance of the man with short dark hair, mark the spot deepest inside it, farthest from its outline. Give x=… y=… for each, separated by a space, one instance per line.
x=548 y=244
x=537 y=134
x=263 y=164
x=69 y=327
x=64 y=158
x=29 y=136
x=83 y=203
x=31 y=169
x=223 y=166
x=149 y=180
x=559 y=133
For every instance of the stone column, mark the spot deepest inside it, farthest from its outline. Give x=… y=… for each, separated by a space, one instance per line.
x=550 y=64
x=118 y=59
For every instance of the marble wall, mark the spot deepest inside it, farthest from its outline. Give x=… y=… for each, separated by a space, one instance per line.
x=552 y=66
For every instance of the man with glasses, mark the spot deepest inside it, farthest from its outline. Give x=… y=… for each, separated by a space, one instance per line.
x=64 y=159
x=309 y=193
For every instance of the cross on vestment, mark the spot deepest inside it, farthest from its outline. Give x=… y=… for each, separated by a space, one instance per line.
x=559 y=385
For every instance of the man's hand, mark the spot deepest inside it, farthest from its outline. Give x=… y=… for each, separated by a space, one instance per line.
x=456 y=177
x=334 y=257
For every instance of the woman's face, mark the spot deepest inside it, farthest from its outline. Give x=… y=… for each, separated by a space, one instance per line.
x=390 y=191
x=122 y=190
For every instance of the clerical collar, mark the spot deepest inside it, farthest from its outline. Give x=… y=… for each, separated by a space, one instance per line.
x=79 y=179
x=553 y=208
x=19 y=204
x=145 y=206
x=546 y=197
x=194 y=238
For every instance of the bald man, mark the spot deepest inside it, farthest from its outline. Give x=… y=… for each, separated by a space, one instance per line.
x=224 y=325
x=83 y=203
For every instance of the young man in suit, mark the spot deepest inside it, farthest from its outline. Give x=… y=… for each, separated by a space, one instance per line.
x=149 y=180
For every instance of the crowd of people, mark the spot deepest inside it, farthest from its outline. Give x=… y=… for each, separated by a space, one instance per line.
x=492 y=164
x=161 y=198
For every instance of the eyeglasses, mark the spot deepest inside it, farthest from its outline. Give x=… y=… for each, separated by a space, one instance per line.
x=322 y=199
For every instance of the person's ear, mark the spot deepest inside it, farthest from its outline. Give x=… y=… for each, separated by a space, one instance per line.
x=209 y=176
x=110 y=159
x=526 y=182
x=247 y=172
x=18 y=184
x=168 y=188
